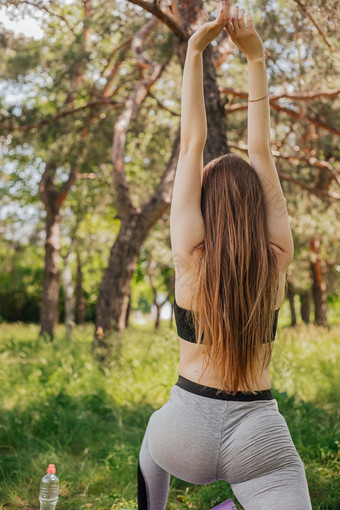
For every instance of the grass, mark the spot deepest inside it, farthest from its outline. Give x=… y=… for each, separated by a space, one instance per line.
x=59 y=406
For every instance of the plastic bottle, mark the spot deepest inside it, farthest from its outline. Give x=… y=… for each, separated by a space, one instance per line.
x=49 y=489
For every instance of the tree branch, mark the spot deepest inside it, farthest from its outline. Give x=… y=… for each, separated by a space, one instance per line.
x=312 y=161
x=113 y=52
x=295 y=115
x=39 y=5
x=77 y=70
x=112 y=75
x=330 y=195
x=142 y=61
x=163 y=107
x=132 y=105
x=65 y=113
x=163 y=191
x=130 y=111
x=301 y=115
x=303 y=8
x=292 y=113
x=167 y=20
x=74 y=173
x=301 y=96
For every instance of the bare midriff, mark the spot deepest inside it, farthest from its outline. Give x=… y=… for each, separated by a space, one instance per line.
x=192 y=366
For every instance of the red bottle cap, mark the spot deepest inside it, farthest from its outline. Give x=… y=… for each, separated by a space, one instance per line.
x=51 y=469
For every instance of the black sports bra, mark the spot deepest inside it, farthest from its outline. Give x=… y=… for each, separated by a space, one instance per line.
x=186 y=330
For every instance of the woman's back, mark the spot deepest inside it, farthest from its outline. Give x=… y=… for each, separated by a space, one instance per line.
x=192 y=355
x=231 y=245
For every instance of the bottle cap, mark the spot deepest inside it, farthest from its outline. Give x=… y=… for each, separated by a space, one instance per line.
x=51 y=469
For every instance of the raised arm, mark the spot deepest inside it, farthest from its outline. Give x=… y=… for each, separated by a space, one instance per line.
x=259 y=146
x=186 y=221
x=193 y=117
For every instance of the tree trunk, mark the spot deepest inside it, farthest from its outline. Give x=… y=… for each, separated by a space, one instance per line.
x=305 y=306
x=290 y=295
x=319 y=285
x=69 y=296
x=172 y=314
x=53 y=198
x=128 y=310
x=171 y=288
x=50 y=293
x=80 y=298
x=158 y=315
x=115 y=287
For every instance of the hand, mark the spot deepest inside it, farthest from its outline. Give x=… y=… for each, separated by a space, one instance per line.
x=209 y=31
x=245 y=36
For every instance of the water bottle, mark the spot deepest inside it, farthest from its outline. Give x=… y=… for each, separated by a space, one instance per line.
x=49 y=489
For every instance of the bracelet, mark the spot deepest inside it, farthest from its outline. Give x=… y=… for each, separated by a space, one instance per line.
x=253 y=100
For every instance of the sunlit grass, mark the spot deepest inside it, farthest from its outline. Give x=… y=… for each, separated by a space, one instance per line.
x=306 y=362
x=59 y=406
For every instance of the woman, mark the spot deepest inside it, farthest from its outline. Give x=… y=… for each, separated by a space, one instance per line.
x=232 y=244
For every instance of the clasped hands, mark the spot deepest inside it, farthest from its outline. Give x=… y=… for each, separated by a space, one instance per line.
x=244 y=36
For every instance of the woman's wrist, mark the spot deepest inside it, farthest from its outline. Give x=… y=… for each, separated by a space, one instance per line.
x=259 y=58
x=192 y=48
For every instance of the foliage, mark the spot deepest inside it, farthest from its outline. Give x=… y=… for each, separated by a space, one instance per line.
x=20 y=282
x=66 y=72
x=60 y=406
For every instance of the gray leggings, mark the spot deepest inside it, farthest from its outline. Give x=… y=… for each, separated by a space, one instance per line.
x=200 y=437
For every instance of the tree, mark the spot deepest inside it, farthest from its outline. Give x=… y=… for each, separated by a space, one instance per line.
x=136 y=222
x=57 y=74
x=101 y=69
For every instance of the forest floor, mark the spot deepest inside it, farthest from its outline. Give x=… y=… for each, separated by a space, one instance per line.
x=60 y=406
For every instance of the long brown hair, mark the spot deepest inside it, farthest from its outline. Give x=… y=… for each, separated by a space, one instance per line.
x=236 y=274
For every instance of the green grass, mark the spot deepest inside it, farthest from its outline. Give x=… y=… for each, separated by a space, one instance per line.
x=59 y=406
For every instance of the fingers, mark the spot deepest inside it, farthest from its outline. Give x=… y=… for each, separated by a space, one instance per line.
x=237 y=18
x=249 y=21
x=231 y=31
x=237 y=21
x=240 y=19
x=233 y=18
x=223 y=14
